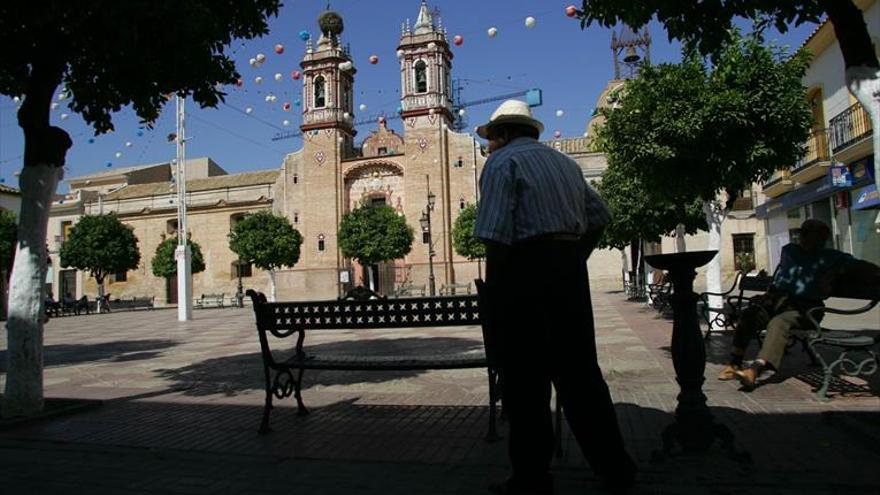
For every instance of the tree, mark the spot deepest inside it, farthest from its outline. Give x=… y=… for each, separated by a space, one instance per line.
x=100 y=245
x=374 y=234
x=706 y=26
x=108 y=55
x=165 y=266
x=463 y=239
x=268 y=241
x=693 y=130
x=8 y=238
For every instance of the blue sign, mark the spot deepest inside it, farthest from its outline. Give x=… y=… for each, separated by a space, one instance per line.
x=840 y=176
x=866 y=197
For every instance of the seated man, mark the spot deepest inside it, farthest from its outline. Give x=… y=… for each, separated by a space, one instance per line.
x=804 y=278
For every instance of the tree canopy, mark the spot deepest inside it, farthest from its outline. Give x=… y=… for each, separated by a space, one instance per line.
x=165 y=266
x=99 y=245
x=636 y=213
x=463 y=240
x=373 y=234
x=8 y=239
x=693 y=129
x=266 y=240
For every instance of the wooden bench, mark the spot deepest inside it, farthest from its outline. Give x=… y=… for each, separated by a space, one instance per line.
x=851 y=349
x=455 y=289
x=659 y=292
x=133 y=303
x=280 y=320
x=211 y=300
x=410 y=290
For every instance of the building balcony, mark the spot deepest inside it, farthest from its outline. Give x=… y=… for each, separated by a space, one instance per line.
x=816 y=159
x=778 y=184
x=849 y=129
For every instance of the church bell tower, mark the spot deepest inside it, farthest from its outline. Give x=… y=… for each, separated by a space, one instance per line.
x=425 y=68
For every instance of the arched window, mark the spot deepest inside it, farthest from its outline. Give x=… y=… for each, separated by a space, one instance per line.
x=320 y=242
x=421 y=76
x=320 y=92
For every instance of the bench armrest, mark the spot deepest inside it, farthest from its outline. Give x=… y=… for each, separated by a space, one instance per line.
x=814 y=314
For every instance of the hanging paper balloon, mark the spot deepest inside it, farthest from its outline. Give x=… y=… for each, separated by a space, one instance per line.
x=62 y=96
x=64 y=116
x=586 y=134
x=278 y=76
x=571 y=11
x=296 y=75
x=560 y=113
x=297 y=103
x=382 y=120
x=557 y=134
x=492 y=32
x=253 y=62
x=346 y=66
x=128 y=144
x=91 y=140
x=268 y=98
x=248 y=110
x=345 y=115
x=399 y=109
x=53 y=106
x=261 y=58
x=461 y=112
x=304 y=35
x=258 y=79
x=374 y=59
x=118 y=154
x=432 y=45
x=458 y=40
x=286 y=123
x=400 y=53
x=239 y=82
x=140 y=133
x=363 y=107
x=2 y=181
x=286 y=107
x=109 y=164
x=16 y=99
x=530 y=22
x=279 y=48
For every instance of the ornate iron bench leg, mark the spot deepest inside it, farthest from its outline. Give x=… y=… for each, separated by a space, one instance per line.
x=264 y=424
x=297 y=394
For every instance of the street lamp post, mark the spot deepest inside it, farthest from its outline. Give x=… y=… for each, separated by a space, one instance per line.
x=425 y=222
x=239 y=293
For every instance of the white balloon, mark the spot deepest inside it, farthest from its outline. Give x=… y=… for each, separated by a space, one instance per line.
x=285 y=123
x=362 y=107
x=278 y=76
x=128 y=144
x=400 y=53
x=461 y=111
x=253 y=62
x=261 y=58
x=530 y=22
x=344 y=115
x=118 y=154
x=492 y=32
x=432 y=45
x=431 y=111
x=64 y=116
x=248 y=110
x=53 y=106
x=268 y=98
x=258 y=79
x=16 y=99
x=560 y=113
x=62 y=96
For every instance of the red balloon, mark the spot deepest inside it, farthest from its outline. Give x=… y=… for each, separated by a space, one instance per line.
x=286 y=106
x=571 y=11
x=458 y=40
x=239 y=83
x=279 y=48
x=374 y=59
x=557 y=134
x=296 y=75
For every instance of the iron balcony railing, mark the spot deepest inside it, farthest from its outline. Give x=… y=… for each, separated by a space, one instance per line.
x=849 y=127
x=816 y=150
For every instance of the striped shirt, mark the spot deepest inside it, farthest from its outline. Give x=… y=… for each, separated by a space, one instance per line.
x=528 y=189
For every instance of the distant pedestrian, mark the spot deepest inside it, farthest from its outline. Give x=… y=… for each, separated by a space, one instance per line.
x=540 y=222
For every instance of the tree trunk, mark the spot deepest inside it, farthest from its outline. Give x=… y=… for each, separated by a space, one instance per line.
x=272 y=291
x=624 y=265
x=862 y=67
x=680 y=244
x=23 y=395
x=99 y=304
x=715 y=214
x=368 y=269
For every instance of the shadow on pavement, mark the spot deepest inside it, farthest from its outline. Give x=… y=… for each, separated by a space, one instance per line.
x=232 y=375
x=118 y=351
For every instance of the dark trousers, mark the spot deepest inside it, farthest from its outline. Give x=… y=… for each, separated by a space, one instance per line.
x=547 y=335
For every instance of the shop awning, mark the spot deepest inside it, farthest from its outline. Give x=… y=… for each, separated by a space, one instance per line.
x=866 y=197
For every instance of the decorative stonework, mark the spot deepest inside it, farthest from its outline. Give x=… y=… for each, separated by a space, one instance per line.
x=320 y=157
x=374 y=180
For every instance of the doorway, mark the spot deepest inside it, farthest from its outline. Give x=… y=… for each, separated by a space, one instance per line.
x=171 y=290
x=68 y=285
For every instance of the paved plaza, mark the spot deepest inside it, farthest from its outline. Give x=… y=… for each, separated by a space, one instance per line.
x=183 y=403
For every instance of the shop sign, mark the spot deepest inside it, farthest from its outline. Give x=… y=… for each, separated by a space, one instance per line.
x=840 y=176
x=866 y=197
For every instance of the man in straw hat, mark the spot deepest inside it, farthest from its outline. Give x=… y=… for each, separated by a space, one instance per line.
x=540 y=221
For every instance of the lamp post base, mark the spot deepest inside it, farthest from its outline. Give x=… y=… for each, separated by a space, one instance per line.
x=694 y=429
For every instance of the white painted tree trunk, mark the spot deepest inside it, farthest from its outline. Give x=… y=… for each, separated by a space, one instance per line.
x=23 y=395
x=371 y=284
x=864 y=83
x=272 y=290
x=715 y=214
x=680 y=244
x=624 y=264
x=99 y=305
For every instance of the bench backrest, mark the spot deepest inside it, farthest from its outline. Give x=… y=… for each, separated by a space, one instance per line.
x=755 y=284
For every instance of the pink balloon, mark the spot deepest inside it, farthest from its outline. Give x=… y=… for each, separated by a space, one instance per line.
x=457 y=40
x=557 y=134
x=279 y=48
x=296 y=75
x=239 y=83
x=571 y=11
x=374 y=59
x=286 y=106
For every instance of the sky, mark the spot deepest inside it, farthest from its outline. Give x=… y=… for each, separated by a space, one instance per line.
x=571 y=66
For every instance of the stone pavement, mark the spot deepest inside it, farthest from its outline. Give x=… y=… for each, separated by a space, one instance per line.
x=183 y=403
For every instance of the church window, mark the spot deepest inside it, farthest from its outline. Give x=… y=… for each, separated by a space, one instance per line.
x=171 y=227
x=320 y=242
x=461 y=204
x=320 y=92
x=296 y=217
x=234 y=219
x=421 y=76
x=459 y=163
x=295 y=179
x=382 y=151
x=377 y=201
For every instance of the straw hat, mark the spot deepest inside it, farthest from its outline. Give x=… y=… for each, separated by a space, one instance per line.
x=510 y=112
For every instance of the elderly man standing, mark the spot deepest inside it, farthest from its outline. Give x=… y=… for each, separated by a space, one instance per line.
x=540 y=221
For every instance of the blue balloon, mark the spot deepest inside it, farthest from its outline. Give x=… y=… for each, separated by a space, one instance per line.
x=140 y=133
x=399 y=109
x=2 y=181
x=109 y=164
x=304 y=35
x=91 y=140
x=297 y=103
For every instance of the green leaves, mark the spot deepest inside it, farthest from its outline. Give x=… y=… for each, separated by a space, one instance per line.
x=463 y=240
x=690 y=130
x=374 y=234
x=165 y=266
x=8 y=239
x=100 y=244
x=266 y=240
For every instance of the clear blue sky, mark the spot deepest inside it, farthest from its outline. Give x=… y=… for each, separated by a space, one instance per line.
x=571 y=66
